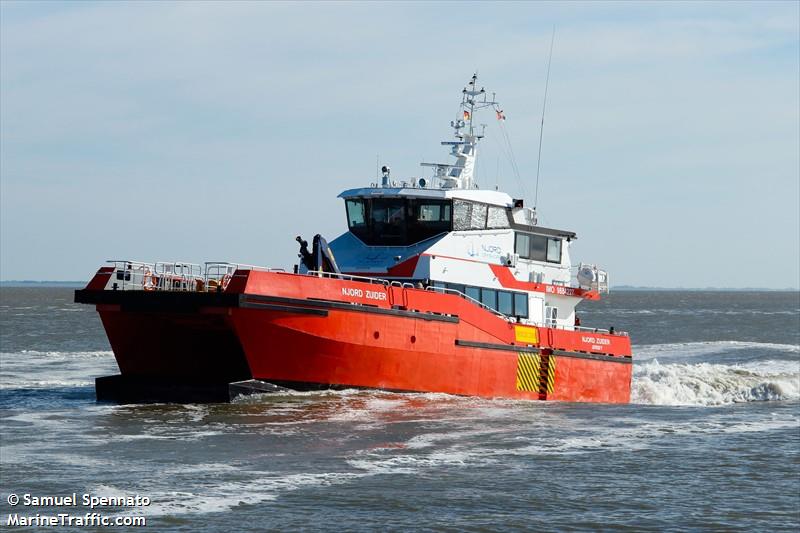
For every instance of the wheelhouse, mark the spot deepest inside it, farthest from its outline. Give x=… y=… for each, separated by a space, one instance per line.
x=407 y=220
x=398 y=221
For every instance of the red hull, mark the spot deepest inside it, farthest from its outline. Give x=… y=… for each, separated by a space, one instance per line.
x=303 y=331
x=191 y=348
x=342 y=349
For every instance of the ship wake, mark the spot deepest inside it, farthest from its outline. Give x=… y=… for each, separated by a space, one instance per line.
x=715 y=384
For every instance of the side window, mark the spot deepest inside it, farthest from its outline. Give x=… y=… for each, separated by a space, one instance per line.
x=355 y=213
x=497 y=217
x=474 y=293
x=538 y=248
x=489 y=298
x=521 y=304
x=522 y=245
x=505 y=303
x=554 y=250
x=462 y=213
x=478 y=218
x=427 y=218
x=429 y=212
x=456 y=287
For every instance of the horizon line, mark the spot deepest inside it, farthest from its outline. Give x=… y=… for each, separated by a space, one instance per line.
x=12 y=282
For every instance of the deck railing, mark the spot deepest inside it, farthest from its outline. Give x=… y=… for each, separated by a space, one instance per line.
x=472 y=301
x=177 y=275
x=348 y=277
x=213 y=276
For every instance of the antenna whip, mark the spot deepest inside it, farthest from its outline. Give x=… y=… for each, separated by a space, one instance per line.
x=541 y=128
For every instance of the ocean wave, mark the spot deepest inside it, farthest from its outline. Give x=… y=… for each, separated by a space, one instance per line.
x=700 y=312
x=714 y=384
x=57 y=354
x=693 y=349
x=412 y=464
x=258 y=487
x=44 y=383
x=639 y=437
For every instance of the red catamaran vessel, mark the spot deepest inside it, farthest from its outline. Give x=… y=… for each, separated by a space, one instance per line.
x=438 y=286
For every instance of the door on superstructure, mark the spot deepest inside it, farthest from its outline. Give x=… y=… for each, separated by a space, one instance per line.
x=550 y=316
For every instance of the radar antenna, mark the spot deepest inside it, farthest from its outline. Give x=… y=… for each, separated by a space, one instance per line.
x=541 y=128
x=461 y=174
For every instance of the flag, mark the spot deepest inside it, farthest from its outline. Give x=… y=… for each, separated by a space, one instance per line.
x=466 y=115
x=500 y=115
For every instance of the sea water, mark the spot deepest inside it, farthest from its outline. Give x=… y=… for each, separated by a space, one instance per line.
x=711 y=439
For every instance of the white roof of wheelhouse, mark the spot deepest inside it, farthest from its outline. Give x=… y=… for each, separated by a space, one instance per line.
x=473 y=195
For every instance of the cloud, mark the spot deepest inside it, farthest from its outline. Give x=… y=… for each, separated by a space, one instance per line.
x=167 y=113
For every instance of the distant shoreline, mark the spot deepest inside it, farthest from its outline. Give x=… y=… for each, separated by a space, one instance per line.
x=625 y=288
x=32 y=283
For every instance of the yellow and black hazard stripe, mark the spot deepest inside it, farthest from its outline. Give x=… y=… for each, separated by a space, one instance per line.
x=551 y=373
x=528 y=365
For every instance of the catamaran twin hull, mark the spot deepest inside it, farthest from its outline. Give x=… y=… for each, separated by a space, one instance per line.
x=281 y=330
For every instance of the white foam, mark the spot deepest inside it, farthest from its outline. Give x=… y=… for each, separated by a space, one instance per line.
x=43 y=383
x=705 y=312
x=58 y=355
x=411 y=464
x=171 y=435
x=426 y=440
x=714 y=384
x=258 y=487
x=33 y=369
x=694 y=349
x=643 y=435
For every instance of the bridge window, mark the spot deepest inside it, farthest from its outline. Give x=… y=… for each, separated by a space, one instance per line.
x=428 y=218
x=522 y=246
x=472 y=215
x=355 y=214
x=554 y=250
x=388 y=222
x=497 y=217
x=397 y=221
x=478 y=217
x=538 y=247
x=461 y=214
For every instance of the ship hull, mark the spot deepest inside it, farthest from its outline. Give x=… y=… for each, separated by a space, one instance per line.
x=299 y=332
x=399 y=353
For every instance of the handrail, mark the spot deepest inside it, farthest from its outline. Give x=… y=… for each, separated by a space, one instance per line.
x=597 y=330
x=404 y=286
x=468 y=298
x=335 y=275
x=242 y=266
x=176 y=275
x=183 y=276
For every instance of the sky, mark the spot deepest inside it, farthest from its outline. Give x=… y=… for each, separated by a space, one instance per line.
x=204 y=131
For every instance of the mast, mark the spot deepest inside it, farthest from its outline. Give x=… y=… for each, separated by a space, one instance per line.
x=461 y=174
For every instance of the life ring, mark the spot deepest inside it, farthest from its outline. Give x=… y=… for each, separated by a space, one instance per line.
x=225 y=280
